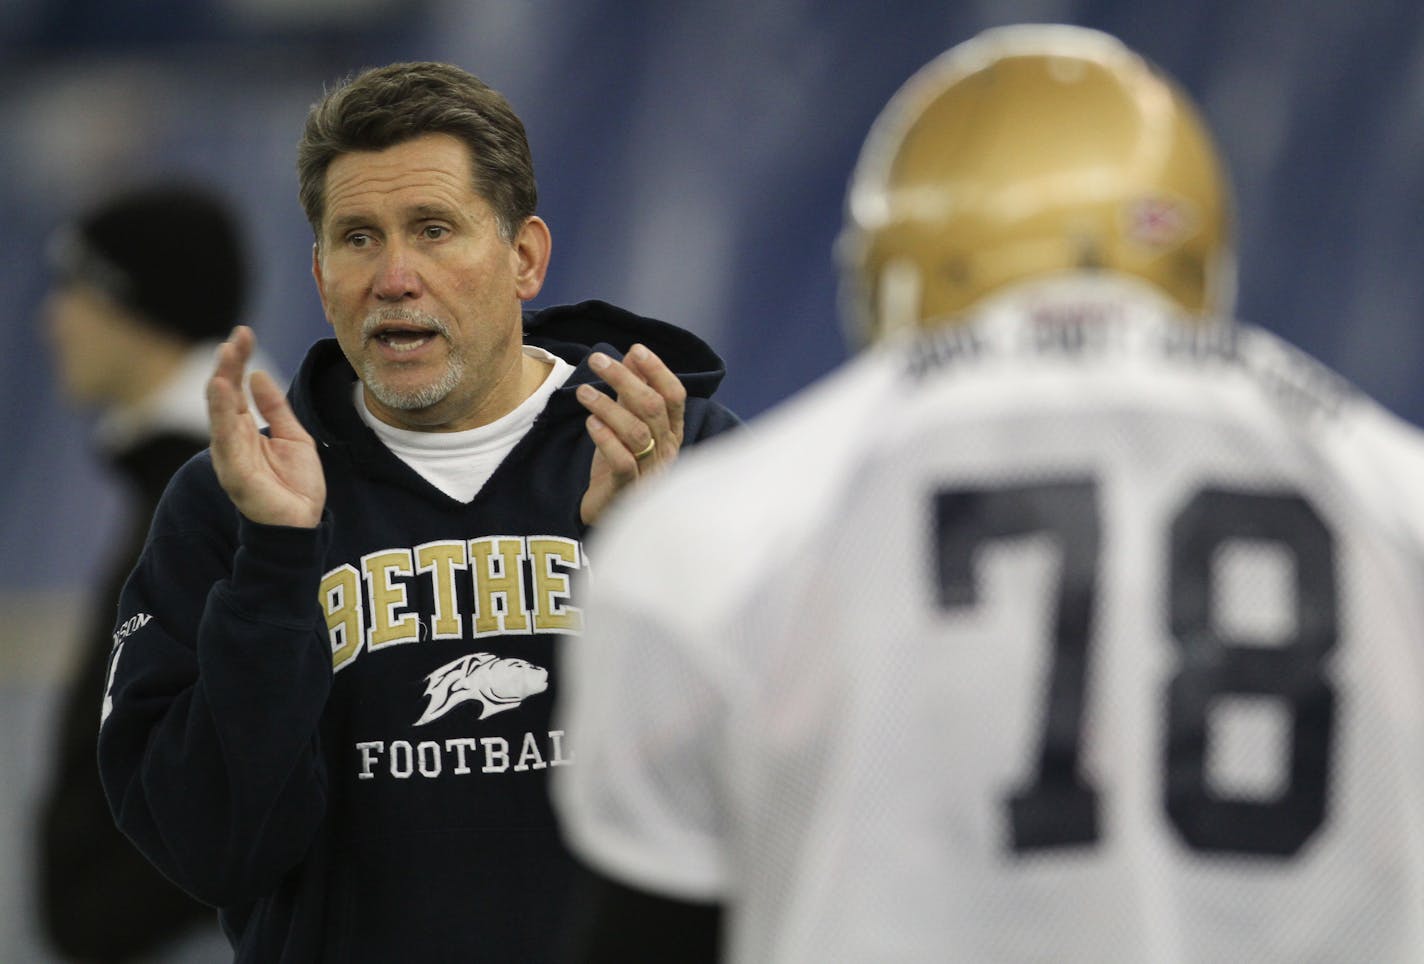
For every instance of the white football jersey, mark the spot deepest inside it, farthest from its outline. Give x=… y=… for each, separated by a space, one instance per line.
x=1078 y=634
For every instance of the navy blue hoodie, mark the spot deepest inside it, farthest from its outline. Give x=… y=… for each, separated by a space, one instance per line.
x=341 y=737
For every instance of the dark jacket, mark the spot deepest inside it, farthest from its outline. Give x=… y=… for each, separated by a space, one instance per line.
x=342 y=736
x=99 y=898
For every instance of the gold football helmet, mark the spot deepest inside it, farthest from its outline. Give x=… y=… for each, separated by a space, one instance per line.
x=1029 y=151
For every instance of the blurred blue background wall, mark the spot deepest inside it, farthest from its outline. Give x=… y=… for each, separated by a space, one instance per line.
x=692 y=160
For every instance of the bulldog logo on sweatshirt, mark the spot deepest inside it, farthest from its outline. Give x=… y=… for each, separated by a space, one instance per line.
x=500 y=683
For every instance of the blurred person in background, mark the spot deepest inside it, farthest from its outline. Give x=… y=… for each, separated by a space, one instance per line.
x=1072 y=621
x=146 y=285
x=328 y=709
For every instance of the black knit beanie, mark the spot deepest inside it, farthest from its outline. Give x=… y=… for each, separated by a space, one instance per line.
x=172 y=253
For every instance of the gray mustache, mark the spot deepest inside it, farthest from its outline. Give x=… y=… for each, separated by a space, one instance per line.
x=419 y=318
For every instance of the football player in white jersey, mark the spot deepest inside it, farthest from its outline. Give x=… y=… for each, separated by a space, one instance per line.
x=1071 y=621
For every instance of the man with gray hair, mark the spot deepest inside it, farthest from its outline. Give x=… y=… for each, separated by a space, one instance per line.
x=329 y=702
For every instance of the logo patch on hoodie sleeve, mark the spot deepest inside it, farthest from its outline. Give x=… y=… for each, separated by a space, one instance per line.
x=126 y=629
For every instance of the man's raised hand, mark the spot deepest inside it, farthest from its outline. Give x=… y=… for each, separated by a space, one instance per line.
x=273 y=479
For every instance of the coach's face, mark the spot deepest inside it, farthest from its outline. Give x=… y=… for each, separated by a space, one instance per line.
x=424 y=294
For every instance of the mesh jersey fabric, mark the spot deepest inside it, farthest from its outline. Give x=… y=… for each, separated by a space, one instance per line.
x=1073 y=635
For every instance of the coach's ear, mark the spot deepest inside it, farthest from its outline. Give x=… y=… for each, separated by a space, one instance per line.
x=532 y=247
x=320 y=281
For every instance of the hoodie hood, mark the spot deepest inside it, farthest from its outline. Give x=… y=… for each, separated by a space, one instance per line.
x=573 y=332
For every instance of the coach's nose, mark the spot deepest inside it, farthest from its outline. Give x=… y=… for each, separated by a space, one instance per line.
x=397 y=275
